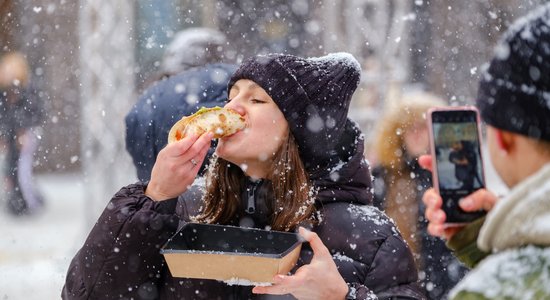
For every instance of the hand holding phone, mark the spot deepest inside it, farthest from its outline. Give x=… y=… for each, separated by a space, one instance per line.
x=457 y=167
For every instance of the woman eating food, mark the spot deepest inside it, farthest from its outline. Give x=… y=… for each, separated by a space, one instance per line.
x=294 y=160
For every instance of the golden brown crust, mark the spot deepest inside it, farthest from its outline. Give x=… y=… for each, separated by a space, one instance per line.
x=220 y=121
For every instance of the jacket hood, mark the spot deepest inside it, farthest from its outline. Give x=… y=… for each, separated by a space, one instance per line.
x=521 y=218
x=348 y=178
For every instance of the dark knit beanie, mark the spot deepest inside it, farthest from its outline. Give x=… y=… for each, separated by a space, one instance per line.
x=514 y=92
x=314 y=95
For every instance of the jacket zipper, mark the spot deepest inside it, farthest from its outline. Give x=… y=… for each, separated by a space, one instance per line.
x=251 y=204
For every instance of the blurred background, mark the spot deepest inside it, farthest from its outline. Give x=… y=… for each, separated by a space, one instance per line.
x=90 y=61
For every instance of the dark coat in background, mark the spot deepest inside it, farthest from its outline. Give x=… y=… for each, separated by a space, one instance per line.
x=439 y=268
x=21 y=113
x=166 y=102
x=24 y=113
x=18 y=116
x=120 y=258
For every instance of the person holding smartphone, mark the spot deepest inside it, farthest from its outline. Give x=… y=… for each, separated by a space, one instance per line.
x=509 y=248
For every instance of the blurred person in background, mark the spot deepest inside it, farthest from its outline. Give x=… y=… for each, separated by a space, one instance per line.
x=299 y=162
x=509 y=248
x=192 y=75
x=401 y=136
x=194 y=47
x=20 y=116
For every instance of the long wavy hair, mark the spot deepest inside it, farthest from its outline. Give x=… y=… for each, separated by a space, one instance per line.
x=293 y=193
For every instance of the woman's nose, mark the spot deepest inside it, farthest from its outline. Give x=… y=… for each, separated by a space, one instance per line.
x=234 y=105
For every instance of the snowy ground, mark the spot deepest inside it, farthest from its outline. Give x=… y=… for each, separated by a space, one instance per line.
x=35 y=251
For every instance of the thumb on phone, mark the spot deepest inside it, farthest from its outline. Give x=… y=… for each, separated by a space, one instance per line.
x=481 y=199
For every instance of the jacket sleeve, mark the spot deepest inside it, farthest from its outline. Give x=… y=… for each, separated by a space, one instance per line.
x=393 y=273
x=464 y=244
x=370 y=254
x=120 y=257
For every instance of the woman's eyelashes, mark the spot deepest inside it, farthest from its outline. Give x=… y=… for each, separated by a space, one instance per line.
x=252 y=100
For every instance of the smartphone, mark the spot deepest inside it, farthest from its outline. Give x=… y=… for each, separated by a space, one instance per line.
x=455 y=139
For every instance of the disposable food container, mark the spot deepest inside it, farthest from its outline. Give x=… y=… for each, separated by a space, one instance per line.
x=235 y=255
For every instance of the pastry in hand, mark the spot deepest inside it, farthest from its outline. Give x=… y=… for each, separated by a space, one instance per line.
x=220 y=121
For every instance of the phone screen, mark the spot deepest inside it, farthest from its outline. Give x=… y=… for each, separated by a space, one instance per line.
x=456 y=149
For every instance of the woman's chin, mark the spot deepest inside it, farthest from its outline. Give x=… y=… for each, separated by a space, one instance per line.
x=230 y=158
x=225 y=151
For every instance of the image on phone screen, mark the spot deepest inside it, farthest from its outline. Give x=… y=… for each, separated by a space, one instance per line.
x=456 y=146
x=458 y=160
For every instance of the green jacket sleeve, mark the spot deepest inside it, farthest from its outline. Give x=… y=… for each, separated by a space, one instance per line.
x=464 y=244
x=464 y=295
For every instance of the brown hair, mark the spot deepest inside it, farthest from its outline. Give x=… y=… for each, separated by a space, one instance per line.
x=293 y=196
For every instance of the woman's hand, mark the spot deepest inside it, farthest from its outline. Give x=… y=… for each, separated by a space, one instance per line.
x=318 y=280
x=177 y=166
x=480 y=199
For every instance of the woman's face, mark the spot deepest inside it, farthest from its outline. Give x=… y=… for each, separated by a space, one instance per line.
x=266 y=128
x=416 y=139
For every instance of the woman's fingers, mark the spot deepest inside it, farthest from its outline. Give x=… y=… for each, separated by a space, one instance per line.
x=281 y=285
x=177 y=166
x=197 y=161
x=319 y=279
x=189 y=147
x=180 y=147
x=319 y=249
x=425 y=161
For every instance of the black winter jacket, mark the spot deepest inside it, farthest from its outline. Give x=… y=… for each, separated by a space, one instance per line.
x=120 y=258
x=441 y=269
